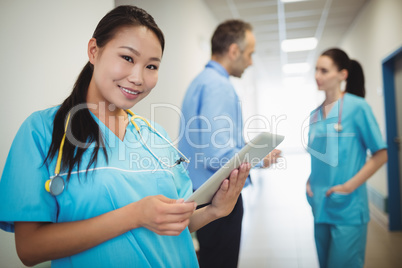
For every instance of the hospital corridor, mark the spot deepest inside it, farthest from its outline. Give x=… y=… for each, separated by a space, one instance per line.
x=278 y=224
x=208 y=76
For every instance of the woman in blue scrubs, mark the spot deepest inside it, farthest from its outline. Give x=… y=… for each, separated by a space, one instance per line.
x=342 y=130
x=122 y=204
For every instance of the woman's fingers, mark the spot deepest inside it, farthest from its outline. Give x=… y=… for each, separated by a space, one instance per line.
x=308 y=190
x=172 y=229
x=341 y=188
x=238 y=177
x=163 y=215
x=227 y=195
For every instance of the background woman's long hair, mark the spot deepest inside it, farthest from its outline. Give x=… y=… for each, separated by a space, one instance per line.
x=355 y=80
x=82 y=125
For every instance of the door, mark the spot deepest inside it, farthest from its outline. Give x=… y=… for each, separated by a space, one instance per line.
x=392 y=79
x=398 y=95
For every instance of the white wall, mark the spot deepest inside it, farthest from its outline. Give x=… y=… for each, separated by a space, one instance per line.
x=188 y=27
x=375 y=34
x=42 y=50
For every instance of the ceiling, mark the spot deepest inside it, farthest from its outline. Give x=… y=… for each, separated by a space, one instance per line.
x=274 y=21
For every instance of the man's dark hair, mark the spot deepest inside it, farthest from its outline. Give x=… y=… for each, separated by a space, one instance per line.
x=227 y=33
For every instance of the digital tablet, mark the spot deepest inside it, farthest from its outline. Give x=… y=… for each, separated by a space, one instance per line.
x=253 y=152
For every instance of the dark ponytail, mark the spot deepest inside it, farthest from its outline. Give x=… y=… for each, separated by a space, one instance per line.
x=82 y=125
x=355 y=80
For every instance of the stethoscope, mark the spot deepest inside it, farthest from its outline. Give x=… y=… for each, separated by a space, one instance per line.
x=338 y=126
x=182 y=158
x=55 y=185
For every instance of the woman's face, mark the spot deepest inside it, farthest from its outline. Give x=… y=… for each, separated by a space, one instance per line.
x=125 y=69
x=327 y=75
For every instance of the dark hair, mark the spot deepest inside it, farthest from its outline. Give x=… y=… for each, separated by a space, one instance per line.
x=355 y=80
x=227 y=33
x=82 y=125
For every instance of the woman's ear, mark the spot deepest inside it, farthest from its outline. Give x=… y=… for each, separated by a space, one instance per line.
x=92 y=50
x=344 y=74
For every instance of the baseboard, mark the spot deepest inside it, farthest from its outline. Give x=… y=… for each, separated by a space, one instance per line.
x=377 y=199
x=379 y=216
x=378 y=207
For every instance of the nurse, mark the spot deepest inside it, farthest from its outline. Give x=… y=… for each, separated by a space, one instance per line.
x=122 y=201
x=342 y=129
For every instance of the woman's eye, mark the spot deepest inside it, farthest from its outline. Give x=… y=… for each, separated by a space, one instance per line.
x=128 y=58
x=152 y=67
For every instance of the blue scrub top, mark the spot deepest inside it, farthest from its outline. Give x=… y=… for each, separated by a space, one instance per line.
x=131 y=174
x=337 y=156
x=212 y=130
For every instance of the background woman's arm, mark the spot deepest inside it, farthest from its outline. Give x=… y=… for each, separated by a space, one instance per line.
x=372 y=165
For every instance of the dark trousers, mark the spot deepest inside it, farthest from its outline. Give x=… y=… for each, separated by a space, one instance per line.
x=220 y=240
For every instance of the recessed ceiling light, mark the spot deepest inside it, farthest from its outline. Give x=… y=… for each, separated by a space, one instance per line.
x=300 y=44
x=296 y=68
x=290 y=1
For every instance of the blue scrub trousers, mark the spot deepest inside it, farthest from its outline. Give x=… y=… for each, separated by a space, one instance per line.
x=340 y=246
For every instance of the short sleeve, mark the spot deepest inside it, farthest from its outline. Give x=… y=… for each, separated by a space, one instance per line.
x=22 y=186
x=369 y=129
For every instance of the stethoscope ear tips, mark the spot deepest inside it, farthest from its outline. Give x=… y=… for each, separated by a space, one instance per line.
x=55 y=186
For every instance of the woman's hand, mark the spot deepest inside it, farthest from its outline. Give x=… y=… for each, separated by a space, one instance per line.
x=163 y=215
x=37 y=242
x=341 y=188
x=224 y=200
x=226 y=197
x=378 y=159
x=271 y=158
x=308 y=189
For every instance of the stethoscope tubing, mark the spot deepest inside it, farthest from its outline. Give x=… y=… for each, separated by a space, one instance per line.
x=338 y=127
x=55 y=185
x=182 y=158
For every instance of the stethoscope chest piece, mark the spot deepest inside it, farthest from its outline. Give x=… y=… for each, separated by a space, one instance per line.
x=338 y=127
x=55 y=186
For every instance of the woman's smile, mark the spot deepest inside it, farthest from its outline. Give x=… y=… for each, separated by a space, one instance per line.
x=129 y=93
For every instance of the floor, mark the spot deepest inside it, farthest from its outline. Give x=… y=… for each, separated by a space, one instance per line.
x=278 y=224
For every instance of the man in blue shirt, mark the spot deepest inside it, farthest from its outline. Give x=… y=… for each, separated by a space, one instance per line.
x=213 y=133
